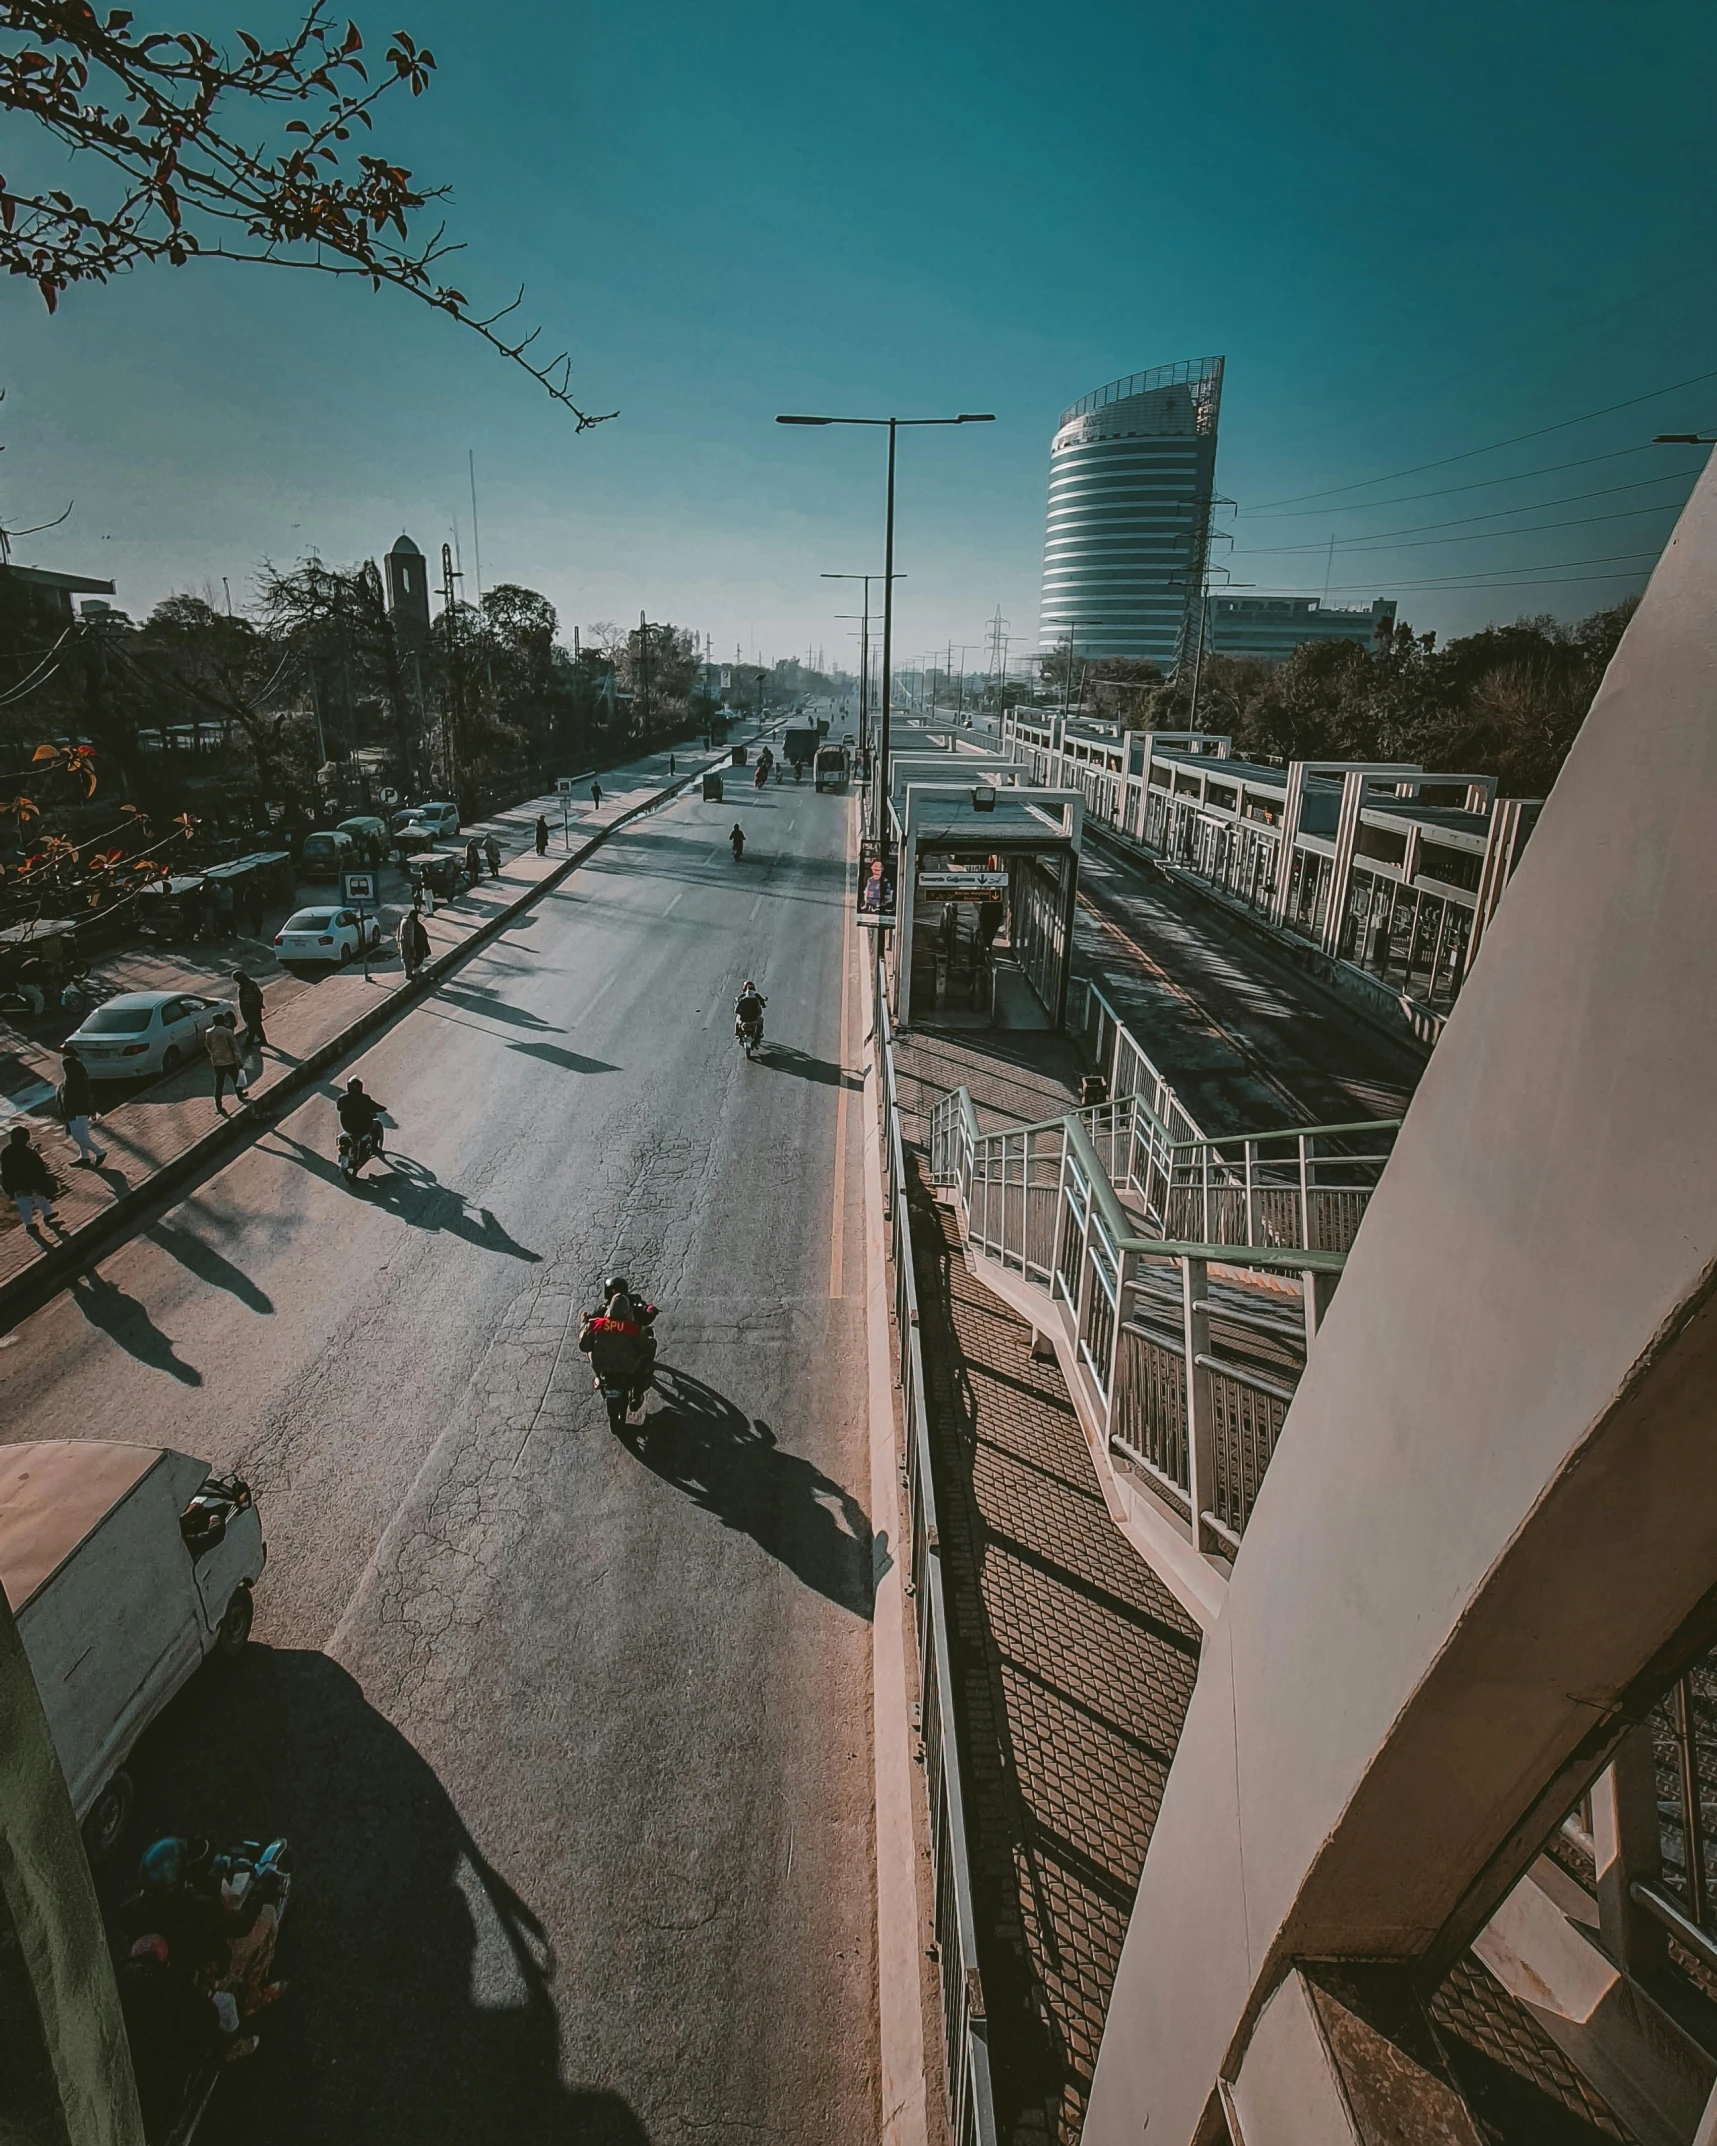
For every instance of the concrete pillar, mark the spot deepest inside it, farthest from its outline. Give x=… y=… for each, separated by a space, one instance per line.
x=62 y=2011
x=1492 y=1514
x=1293 y=804
x=1341 y=865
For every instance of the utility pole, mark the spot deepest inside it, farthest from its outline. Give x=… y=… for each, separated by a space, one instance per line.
x=451 y=708
x=644 y=673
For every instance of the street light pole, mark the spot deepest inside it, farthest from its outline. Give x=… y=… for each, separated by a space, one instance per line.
x=966 y=417
x=864 y=651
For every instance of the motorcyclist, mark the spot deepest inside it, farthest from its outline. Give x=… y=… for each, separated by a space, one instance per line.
x=361 y=1114
x=736 y=841
x=748 y=1008
x=618 y=1339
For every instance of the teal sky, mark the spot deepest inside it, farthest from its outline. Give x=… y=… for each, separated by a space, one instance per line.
x=1412 y=232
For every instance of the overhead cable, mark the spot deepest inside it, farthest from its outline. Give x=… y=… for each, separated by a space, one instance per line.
x=1467 y=454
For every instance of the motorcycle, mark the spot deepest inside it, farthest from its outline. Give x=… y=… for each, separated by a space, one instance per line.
x=352 y=1154
x=750 y=1031
x=736 y=842
x=761 y=777
x=254 y=1870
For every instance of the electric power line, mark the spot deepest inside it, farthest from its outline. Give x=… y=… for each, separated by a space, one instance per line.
x=1479 y=536
x=1510 y=577
x=1497 y=514
x=1495 y=447
x=1447 y=491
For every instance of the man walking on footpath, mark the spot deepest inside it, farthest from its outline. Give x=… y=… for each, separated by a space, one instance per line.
x=492 y=850
x=24 y=1176
x=596 y=795
x=222 y=1045
x=542 y=836
x=473 y=860
x=77 y=1106
x=250 y=1008
x=413 y=942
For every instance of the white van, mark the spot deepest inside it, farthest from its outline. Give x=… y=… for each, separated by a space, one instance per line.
x=126 y=1567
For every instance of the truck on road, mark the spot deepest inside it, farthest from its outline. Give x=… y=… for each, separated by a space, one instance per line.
x=126 y=1567
x=831 y=767
x=799 y=745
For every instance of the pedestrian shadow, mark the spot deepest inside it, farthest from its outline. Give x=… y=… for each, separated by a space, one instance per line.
x=786 y=1059
x=422 y=1999
x=123 y=1320
x=552 y=1054
x=732 y=1466
x=486 y=1000
x=210 y=1266
x=413 y=1192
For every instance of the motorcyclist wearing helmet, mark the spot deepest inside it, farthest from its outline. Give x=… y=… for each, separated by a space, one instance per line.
x=361 y=1114
x=748 y=1008
x=618 y=1338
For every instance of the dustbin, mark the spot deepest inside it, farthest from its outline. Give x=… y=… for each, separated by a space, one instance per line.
x=739 y=756
x=712 y=789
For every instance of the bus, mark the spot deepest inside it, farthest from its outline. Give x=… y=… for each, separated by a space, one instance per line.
x=831 y=767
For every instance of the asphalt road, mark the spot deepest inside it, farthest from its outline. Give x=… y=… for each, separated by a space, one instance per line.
x=571 y=1734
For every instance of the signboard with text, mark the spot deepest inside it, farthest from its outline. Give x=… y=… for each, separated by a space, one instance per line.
x=962 y=886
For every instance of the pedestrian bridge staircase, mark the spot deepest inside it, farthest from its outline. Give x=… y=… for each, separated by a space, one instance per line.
x=1184 y=1276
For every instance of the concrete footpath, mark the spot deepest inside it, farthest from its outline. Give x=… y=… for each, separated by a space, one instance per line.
x=158 y=1127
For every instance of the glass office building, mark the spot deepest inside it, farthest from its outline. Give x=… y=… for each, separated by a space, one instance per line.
x=1274 y=626
x=1131 y=473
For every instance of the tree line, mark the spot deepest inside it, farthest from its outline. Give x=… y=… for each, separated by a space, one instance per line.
x=1506 y=701
x=203 y=725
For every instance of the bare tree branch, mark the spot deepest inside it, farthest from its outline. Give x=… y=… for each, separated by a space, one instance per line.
x=153 y=110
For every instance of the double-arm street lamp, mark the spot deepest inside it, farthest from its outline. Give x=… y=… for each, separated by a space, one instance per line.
x=864 y=657
x=968 y=417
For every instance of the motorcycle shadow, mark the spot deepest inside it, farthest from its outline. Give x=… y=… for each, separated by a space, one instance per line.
x=707 y=1447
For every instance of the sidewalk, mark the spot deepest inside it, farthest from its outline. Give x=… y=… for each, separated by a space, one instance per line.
x=1073 y=1664
x=151 y=1128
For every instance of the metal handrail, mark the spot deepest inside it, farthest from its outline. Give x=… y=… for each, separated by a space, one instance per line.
x=971 y=2103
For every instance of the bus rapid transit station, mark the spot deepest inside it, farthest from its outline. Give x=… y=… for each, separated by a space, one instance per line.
x=988 y=877
x=1387 y=873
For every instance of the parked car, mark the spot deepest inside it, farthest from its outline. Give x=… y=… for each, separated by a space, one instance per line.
x=328 y=853
x=371 y=835
x=126 y=1566
x=143 y=1032
x=444 y=818
x=441 y=869
x=332 y=935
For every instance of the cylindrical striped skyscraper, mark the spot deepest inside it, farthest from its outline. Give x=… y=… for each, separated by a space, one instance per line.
x=1131 y=473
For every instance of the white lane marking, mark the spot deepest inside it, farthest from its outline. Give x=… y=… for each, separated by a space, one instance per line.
x=675 y=903
x=756 y=905
x=838 y=1226
x=591 y=1007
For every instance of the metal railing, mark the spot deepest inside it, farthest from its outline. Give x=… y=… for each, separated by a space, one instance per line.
x=965 y=2027
x=1192 y=1348
x=1305 y=1185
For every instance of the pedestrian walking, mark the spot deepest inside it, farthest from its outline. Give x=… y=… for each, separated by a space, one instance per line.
x=222 y=1045
x=596 y=795
x=473 y=860
x=250 y=1009
x=413 y=943
x=492 y=850
x=542 y=836
x=670 y=763
x=24 y=1177
x=77 y=1106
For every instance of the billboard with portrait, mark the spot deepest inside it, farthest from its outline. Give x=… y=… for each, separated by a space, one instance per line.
x=877 y=884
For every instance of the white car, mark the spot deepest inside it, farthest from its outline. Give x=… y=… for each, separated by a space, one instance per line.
x=334 y=935
x=443 y=818
x=144 y=1032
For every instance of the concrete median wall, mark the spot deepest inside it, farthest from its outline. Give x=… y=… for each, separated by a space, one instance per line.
x=1494 y=1504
